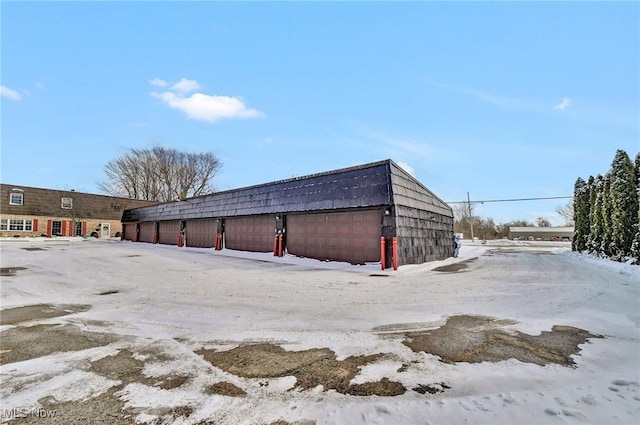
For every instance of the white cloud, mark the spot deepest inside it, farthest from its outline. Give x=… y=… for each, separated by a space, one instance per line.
x=492 y=98
x=266 y=141
x=406 y=167
x=185 y=86
x=564 y=104
x=10 y=94
x=208 y=108
x=40 y=86
x=158 y=82
x=399 y=148
x=200 y=106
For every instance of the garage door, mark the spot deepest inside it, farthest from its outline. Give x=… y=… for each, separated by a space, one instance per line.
x=250 y=233
x=129 y=231
x=352 y=236
x=146 y=232
x=168 y=232
x=201 y=233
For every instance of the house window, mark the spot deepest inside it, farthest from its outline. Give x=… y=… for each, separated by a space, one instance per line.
x=67 y=203
x=16 y=198
x=17 y=225
x=56 y=228
x=77 y=228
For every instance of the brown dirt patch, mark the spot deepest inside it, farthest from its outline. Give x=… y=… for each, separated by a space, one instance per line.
x=15 y=315
x=226 y=388
x=317 y=366
x=25 y=343
x=105 y=409
x=475 y=339
x=431 y=388
x=172 y=382
x=122 y=367
x=383 y=387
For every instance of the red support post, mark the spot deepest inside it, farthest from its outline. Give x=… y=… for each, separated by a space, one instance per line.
x=383 y=259
x=280 y=246
x=180 y=239
x=275 y=246
x=155 y=238
x=395 y=253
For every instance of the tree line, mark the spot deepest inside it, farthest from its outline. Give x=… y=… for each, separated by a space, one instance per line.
x=607 y=211
x=486 y=228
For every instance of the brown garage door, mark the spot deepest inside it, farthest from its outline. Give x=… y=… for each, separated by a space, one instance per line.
x=352 y=236
x=250 y=233
x=129 y=231
x=168 y=232
x=201 y=233
x=146 y=232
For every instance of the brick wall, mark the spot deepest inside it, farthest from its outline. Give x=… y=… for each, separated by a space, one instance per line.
x=41 y=226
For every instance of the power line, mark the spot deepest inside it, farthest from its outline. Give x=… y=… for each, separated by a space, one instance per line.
x=510 y=200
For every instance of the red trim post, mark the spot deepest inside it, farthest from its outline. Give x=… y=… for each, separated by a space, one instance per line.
x=154 y=238
x=180 y=239
x=395 y=253
x=383 y=260
x=280 y=246
x=275 y=246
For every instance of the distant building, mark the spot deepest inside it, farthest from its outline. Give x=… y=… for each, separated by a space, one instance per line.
x=30 y=211
x=541 y=233
x=341 y=215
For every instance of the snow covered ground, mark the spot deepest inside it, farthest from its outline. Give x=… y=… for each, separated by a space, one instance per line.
x=176 y=301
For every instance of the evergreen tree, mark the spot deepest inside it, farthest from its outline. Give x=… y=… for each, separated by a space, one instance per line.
x=621 y=206
x=581 y=209
x=606 y=234
x=635 y=245
x=637 y=170
x=595 y=221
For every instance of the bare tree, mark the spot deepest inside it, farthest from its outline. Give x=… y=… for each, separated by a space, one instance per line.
x=543 y=222
x=566 y=212
x=160 y=174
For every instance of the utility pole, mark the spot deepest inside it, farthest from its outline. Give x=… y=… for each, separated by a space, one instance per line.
x=470 y=216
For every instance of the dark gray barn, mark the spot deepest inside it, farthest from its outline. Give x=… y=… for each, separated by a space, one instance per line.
x=341 y=215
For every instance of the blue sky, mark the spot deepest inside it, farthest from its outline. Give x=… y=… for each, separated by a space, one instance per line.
x=502 y=100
